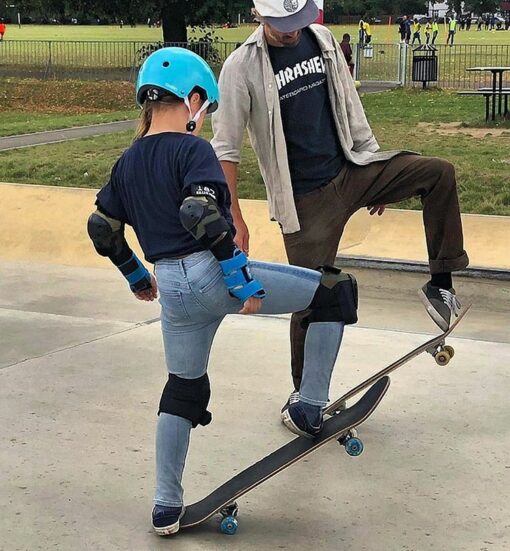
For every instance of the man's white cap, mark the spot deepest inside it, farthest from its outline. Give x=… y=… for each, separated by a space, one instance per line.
x=287 y=16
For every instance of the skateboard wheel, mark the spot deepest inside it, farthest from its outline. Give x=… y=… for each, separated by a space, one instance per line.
x=442 y=358
x=450 y=350
x=354 y=446
x=229 y=526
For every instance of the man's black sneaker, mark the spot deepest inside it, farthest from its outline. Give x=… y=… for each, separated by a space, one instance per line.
x=165 y=520
x=303 y=419
x=293 y=398
x=442 y=305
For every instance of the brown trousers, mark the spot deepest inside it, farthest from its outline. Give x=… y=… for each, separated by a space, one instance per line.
x=324 y=212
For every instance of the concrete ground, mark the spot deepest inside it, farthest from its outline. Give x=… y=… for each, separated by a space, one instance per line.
x=81 y=371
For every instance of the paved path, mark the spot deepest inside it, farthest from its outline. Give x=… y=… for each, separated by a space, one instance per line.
x=54 y=136
x=81 y=371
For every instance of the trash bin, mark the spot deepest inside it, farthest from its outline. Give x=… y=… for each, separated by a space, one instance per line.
x=425 y=64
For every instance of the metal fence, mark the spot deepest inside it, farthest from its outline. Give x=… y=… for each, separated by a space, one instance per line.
x=121 y=60
x=90 y=59
x=393 y=63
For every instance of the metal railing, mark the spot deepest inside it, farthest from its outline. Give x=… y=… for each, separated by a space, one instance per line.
x=393 y=63
x=121 y=60
x=92 y=59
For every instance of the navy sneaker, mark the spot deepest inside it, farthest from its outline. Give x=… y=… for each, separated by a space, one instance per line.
x=442 y=305
x=165 y=520
x=303 y=419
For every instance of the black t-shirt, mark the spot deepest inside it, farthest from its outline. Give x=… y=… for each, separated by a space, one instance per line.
x=313 y=147
x=149 y=183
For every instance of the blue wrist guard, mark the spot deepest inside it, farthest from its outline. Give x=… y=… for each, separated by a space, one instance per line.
x=136 y=273
x=238 y=279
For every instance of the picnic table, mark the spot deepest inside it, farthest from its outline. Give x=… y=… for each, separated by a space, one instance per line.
x=496 y=90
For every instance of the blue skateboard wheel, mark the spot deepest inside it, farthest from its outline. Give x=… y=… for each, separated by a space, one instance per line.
x=229 y=526
x=354 y=446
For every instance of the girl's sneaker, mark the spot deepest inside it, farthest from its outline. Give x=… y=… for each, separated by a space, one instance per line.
x=165 y=520
x=303 y=419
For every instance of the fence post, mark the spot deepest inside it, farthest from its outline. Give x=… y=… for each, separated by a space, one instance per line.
x=357 y=61
x=402 y=64
x=49 y=62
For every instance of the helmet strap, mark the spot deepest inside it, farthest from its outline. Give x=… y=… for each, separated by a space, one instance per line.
x=192 y=122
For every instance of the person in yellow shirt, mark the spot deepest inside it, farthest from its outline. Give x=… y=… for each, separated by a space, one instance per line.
x=416 y=32
x=428 y=30
x=452 y=29
x=435 y=30
x=368 y=32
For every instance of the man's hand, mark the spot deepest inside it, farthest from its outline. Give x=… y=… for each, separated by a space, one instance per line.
x=149 y=294
x=251 y=306
x=379 y=209
x=242 y=238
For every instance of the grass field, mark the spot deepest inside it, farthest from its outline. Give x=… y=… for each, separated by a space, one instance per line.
x=381 y=33
x=410 y=119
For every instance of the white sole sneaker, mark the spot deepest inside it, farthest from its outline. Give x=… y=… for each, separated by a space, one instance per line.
x=432 y=312
x=171 y=528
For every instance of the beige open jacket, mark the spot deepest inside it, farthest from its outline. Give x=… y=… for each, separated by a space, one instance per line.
x=249 y=99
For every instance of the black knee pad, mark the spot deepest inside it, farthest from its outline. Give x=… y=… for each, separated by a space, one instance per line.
x=336 y=298
x=187 y=398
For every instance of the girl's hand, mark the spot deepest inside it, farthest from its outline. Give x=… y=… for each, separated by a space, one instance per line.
x=149 y=294
x=251 y=306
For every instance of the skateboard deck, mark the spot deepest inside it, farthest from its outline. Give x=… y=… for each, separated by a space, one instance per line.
x=436 y=347
x=337 y=426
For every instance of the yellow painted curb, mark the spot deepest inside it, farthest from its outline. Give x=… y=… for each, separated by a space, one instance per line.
x=48 y=224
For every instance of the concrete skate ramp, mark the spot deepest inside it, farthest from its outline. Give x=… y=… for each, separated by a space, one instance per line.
x=47 y=224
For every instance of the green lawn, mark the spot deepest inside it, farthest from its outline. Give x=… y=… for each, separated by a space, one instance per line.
x=483 y=165
x=13 y=123
x=381 y=33
x=30 y=105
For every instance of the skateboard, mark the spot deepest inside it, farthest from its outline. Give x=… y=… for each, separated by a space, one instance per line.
x=341 y=426
x=441 y=352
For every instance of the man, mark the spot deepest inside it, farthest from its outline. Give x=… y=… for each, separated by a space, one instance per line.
x=428 y=30
x=290 y=86
x=435 y=30
x=452 y=29
x=416 y=32
x=402 y=29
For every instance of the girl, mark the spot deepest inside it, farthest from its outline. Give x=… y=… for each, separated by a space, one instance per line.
x=170 y=188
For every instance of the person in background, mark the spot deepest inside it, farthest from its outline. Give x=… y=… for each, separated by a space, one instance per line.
x=368 y=32
x=408 y=30
x=428 y=31
x=3 y=28
x=347 y=51
x=416 y=32
x=402 y=29
x=361 y=32
x=479 y=23
x=468 y=22
x=435 y=30
x=452 y=29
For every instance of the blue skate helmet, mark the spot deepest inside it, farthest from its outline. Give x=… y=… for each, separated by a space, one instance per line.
x=178 y=71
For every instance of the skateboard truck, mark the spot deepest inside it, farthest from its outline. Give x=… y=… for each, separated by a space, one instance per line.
x=442 y=353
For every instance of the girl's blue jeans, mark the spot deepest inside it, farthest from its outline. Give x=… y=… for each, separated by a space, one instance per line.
x=194 y=300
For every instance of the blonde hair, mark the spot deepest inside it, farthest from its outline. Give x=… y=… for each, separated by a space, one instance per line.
x=167 y=101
